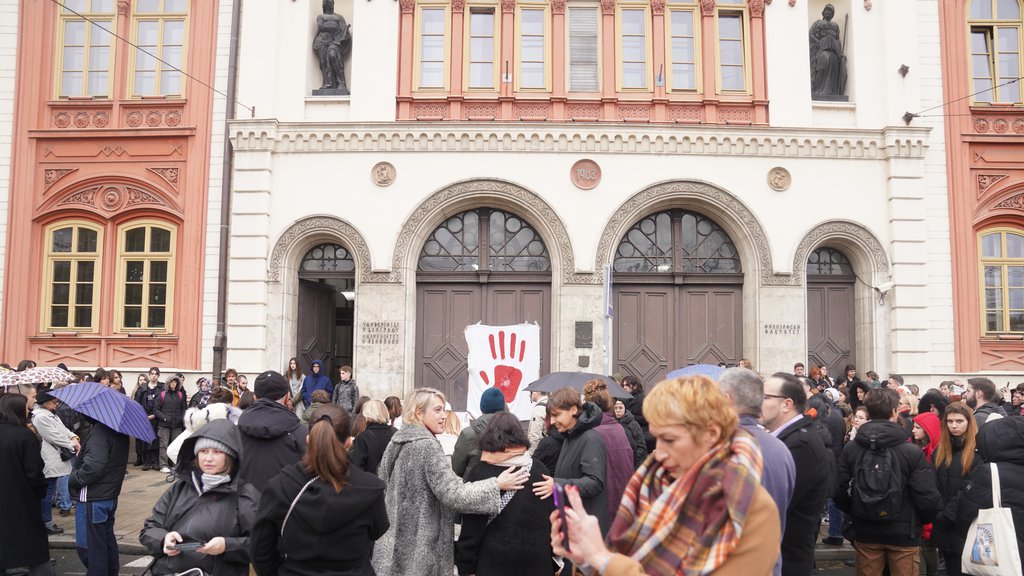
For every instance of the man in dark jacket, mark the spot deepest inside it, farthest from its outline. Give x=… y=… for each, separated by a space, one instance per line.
x=315 y=380
x=96 y=483
x=150 y=397
x=170 y=418
x=983 y=397
x=782 y=413
x=467 y=453
x=272 y=435
x=895 y=540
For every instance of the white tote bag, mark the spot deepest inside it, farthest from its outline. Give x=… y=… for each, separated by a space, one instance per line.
x=991 y=547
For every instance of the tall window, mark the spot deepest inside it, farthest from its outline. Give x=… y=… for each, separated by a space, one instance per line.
x=731 y=51
x=159 y=31
x=146 y=275
x=633 y=48
x=482 y=49
x=84 y=52
x=584 y=50
x=1002 y=263
x=995 y=27
x=532 y=48
x=431 y=47
x=71 y=275
x=682 y=48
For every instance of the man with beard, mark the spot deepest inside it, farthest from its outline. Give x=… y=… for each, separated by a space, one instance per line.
x=982 y=397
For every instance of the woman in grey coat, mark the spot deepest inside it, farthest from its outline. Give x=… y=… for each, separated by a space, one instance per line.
x=424 y=495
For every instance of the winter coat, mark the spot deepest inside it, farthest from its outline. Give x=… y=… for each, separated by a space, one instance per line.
x=272 y=439
x=22 y=534
x=101 y=465
x=467 y=452
x=635 y=406
x=1000 y=441
x=815 y=470
x=228 y=511
x=423 y=496
x=583 y=462
x=328 y=533
x=619 y=460
x=836 y=426
x=149 y=397
x=170 y=408
x=368 y=447
x=538 y=422
x=920 y=496
x=515 y=542
x=345 y=394
x=932 y=428
x=985 y=411
x=199 y=399
x=950 y=478
x=307 y=413
x=549 y=448
x=54 y=436
x=635 y=436
x=314 y=382
x=779 y=474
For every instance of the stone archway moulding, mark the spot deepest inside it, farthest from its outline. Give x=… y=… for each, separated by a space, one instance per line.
x=850 y=233
x=307 y=227
x=487 y=192
x=724 y=205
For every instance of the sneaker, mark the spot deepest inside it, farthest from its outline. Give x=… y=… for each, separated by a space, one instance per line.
x=53 y=529
x=832 y=541
x=165 y=470
x=67 y=512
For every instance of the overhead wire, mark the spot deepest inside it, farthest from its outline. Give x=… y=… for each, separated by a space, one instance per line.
x=922 y=114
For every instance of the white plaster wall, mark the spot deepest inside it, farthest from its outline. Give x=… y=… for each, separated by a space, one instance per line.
x=8 y=61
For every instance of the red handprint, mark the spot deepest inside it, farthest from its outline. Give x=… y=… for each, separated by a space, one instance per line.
x=506 y=378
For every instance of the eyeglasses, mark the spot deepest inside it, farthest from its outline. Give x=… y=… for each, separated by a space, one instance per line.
x=767 y=396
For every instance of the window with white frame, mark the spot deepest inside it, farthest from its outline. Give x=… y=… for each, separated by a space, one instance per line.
x=85 y=54
x=159 y=32
x=995 y=44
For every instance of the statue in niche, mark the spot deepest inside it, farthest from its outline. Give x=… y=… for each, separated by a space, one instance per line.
x=332 y=43
x=828 y=64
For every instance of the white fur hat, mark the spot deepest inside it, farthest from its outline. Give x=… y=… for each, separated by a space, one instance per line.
x=196 y=418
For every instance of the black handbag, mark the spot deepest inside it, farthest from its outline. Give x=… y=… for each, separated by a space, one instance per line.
x=66 y=453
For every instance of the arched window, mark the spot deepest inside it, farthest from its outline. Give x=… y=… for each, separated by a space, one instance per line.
x=71 y=277
x=509 y=242
x=828 y=262
x=145 y=276
x=1002 y=269
x=703 y=246
x=995 y=39
x=327 y=258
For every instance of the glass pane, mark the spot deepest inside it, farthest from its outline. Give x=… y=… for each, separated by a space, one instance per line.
x=102 y=6
x=61 y=294
x=729 y=27
x=148 y=33
x=1016 y=321
x=481 y=75
x=62 y=271
x=983 y=90
x=134 y=271
x=981 y=9
x=156 y=316
x=433 y=20
x=732 y=52
x=158 y=294
x=99 y=83
x=481 y=50
x=732 y=77
x=133 y=294
x=83 y=316
x=431 y=74
x=99 y=33
x=85 y=270
x=59 y=316
x=682 y=50
x=994 y=322
x=682 y=23
x=147 y=6
x=634 y=75
x=170 y=83
x=159 y=240
x=1014 y=245
x=173 y=56
x=71 y=84
x=531 y=75
x=979 y=43
x=158 y=271
x=633 y=22
x=1006 y=39
x=980 y=66
x=993 y=276
x=99 y=57
x=684 y=77
x=1016 y=299
x=533 y=22
x=132 y=317
x=991 y=246
x=83 y=294
x=481 y=24
x=432 y=48
x=1008 y=10
x=1008 y=66
x=174 y=32
x=74 y=33
x=76 y=5
x=86 y=240
x=175 y=6
x=1015 y=276
x=144 y=60
x=993 y=298
x=145 y=83
x=62 y=240
x=633 y=48
x=532 y=48
x=135 y=240
x=1010 y=92
x=74 y=58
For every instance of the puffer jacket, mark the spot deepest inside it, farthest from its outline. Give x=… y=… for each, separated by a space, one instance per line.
x=272 y=438
x=227 y=510
x=422 y=498
x=345 y=394
x=635 y=436
x=170 y=408
x=583 y=462
x=54 y=436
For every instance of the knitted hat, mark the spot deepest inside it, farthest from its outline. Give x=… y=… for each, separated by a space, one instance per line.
x=271 y=385
x=205 y=442
x=492 y=400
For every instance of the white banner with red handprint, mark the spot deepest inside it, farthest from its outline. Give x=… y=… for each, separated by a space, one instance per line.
x=504 y=357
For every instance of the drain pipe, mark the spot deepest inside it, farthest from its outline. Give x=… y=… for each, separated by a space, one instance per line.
x=220 y=339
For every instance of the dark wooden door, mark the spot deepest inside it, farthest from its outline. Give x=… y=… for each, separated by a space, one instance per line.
x=830 y=325
x=316 y=324
x=444 y=310
x=659 y=328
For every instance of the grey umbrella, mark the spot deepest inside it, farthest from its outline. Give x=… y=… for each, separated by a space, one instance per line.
x=558 y=380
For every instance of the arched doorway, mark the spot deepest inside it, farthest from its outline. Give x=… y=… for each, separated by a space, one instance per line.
x=831 y=323
x=483 y=265
x=678 y=286
x=326 y=308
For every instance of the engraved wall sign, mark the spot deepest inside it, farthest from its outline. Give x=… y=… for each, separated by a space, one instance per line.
x=585 y=174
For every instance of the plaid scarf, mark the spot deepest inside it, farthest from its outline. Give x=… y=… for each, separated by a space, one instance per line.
x=661 y=526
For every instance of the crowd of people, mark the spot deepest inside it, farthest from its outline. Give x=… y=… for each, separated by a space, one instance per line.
x=301 y=474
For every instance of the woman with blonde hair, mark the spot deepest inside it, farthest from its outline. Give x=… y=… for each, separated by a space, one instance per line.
x=368 y=446
x=424 y=494
x=452 y=429
x=696 y=507
x=953 y=459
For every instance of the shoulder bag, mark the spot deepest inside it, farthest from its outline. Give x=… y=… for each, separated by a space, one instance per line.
x=991 y=547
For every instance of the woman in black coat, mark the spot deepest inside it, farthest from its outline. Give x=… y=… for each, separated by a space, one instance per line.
x=954 y=459
x=22 y=534
x=368 y=447
x=518 y=539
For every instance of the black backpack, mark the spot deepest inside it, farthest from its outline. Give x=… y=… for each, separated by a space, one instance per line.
x=877 y=485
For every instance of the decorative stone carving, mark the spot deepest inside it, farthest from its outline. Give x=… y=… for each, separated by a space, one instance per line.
x=122 y=7
x=81 y=119
x=111 y=199
x=86 y=197
x=532 y=110
x=62 y=120
x=851 y=233
x=658 y=6
x=1018 y=126
x=332 y=43
x=608 y=6
x=986 y=181
x=735 y=115
x=779 y=179
x=407 y=6
x=508 y=6
x=168 y=174
x=481 y=110
x=134 y=118
x=51 y=175
x=981 y=125
x=707 y=7
x=722 y=203
x=641 y=112
x=828 y=65
x=154 y=118
x=172 y=118
x=458 y=5
x=1000 y=125
x=1015 y=202
x=757 y=8
x=584 y=111
x=101 y=119
x=685 y=114
x=558 y=6
x=136 y=197
x=431 y=111
x=296 y=233
x=383 y=174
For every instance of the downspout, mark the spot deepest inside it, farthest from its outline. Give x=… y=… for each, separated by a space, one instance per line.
x=220 y=339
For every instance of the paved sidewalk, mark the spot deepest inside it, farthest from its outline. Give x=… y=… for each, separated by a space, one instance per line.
x=140 y=491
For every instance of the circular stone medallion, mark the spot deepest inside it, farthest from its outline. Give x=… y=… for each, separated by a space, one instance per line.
x=383 y=174
x=585 y=174
x=779 y=179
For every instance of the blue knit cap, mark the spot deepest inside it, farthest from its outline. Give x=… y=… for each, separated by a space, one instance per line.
x=491 y=401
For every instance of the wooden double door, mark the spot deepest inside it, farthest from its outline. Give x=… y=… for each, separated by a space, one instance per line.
x=445 y=309
x=661 y=327
x=831 y=325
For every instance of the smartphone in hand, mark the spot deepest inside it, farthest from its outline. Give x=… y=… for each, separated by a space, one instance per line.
x=188 y=546
x=560 y=503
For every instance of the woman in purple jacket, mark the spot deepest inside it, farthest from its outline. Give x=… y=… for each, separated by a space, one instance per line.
x=620 y=454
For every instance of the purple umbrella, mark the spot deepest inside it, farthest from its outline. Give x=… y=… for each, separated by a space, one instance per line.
x=710 y=370
x=108 y=406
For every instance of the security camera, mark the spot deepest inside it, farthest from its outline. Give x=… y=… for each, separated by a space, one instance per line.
x=884 y=287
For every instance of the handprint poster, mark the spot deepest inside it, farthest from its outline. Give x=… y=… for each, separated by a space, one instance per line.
x=504 y=357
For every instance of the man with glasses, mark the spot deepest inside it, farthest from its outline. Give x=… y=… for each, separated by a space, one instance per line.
x=782 y=413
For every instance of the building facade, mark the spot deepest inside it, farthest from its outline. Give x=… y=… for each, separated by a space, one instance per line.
x=499 y=161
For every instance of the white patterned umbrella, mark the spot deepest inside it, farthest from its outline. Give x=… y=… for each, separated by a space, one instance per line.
x=39 y=374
